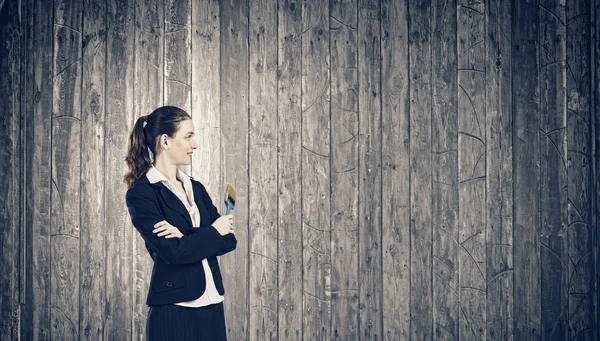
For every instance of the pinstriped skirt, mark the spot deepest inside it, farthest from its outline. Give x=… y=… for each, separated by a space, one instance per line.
x=176 y=323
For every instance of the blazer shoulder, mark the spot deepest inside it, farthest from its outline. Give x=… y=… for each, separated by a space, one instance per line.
x=140 y=189
x=196 y=183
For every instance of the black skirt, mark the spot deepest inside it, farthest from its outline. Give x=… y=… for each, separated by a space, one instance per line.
x=174 y=322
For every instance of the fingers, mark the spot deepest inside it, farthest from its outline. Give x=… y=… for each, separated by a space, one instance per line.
x=160 y=223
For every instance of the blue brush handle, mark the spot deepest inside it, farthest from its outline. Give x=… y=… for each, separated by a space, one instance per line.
x=228 y=205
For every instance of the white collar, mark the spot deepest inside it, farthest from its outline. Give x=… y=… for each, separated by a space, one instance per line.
x=154 y=176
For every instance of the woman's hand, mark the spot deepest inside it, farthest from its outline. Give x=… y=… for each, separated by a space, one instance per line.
x=167 y=230
x=224 y=225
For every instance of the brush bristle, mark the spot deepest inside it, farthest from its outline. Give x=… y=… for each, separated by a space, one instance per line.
x=230 y=193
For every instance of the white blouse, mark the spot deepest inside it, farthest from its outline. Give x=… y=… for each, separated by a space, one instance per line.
x=210 y=295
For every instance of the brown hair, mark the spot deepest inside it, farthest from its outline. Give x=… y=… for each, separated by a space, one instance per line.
x=163 y=120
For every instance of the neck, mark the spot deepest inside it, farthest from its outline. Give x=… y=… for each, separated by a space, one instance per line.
x=168 y=169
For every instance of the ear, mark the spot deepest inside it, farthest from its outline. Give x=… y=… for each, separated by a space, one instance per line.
x=164 y=141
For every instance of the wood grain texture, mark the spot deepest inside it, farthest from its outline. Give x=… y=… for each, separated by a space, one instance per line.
x=421 y=233
x=206 y=162
x=289 y=215
x=579 y=232
x=66 y=170
x=499 y=172
x=10 y=184
x=39 y=176
x=595 y=57
x=369 y=171
x=92 y=268
x=395 y=170
x=119 y=119
x=444 y=154
x=354 y=130
x=316 y=171
x=526 y=184
x=471 y=168
x=233 y=75
x=344 y=170
x=263 y=147
x=148 y=76
x=553 y=171
x=177 y=57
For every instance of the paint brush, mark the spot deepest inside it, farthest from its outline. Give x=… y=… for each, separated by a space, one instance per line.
x=229 y=198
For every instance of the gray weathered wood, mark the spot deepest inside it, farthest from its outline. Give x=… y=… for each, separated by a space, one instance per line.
x=66 y=170
x=148 y=93
x=581 y=319
x=39 y=175
x=553 y=171
x=233 y=75
x=419 y=45
x=10 y=185
x=595 y=66
x=119 y=117
x=369 y=171
x=471 y=169
x=499 y=172
x=92 y=265
x=444 y=154
x=316 y=171
x=177 y=66
x=262 y=163
x=395 y=170
x=344 y=170
x=327 y=249
x=289 y=215
x=526 y=184
x=205 y=40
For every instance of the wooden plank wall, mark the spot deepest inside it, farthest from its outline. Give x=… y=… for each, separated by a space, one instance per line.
x=424 y=170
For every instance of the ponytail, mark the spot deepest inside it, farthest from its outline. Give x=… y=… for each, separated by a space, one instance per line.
x=138 y=158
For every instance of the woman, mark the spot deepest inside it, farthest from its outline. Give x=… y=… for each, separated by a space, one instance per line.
x=182 y=230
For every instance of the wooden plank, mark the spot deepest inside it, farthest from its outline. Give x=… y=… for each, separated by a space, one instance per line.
x=92 y=267
x=395 y=170
x=205 y=40
x=499 y=172
x=66 y=170
x=177 y=66
x=526 y=178
x=369 y=171
x=234 y=143
x=553 y=171
x=37 y=300
x=595 y=56
x=10 y=145
x=471 y=168
x=148 y=95
x=421 y=234
x=119 y=83
x=444 y=154
x=316 y=172
x=344 y=170
x=581 y=324
x=263 y=170
x=289 y=215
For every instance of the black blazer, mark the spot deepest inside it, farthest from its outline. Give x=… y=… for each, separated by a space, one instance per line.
x=178 y=274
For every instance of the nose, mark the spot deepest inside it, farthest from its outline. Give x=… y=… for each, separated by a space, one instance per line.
x=194 y=144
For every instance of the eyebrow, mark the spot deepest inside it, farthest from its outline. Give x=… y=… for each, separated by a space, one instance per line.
x=190 y=133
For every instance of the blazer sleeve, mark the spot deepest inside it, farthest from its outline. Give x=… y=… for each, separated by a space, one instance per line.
x=230 y=240
x=145 y=213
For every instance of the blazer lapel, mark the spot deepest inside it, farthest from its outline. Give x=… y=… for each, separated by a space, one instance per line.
x=175 y=203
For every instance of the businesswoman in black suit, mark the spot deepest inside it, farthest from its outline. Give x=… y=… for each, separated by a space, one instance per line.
x=181 y=227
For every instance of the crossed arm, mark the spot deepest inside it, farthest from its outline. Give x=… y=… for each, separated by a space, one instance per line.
x=199 y=244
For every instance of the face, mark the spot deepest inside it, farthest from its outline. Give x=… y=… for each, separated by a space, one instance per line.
x=180 y=147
